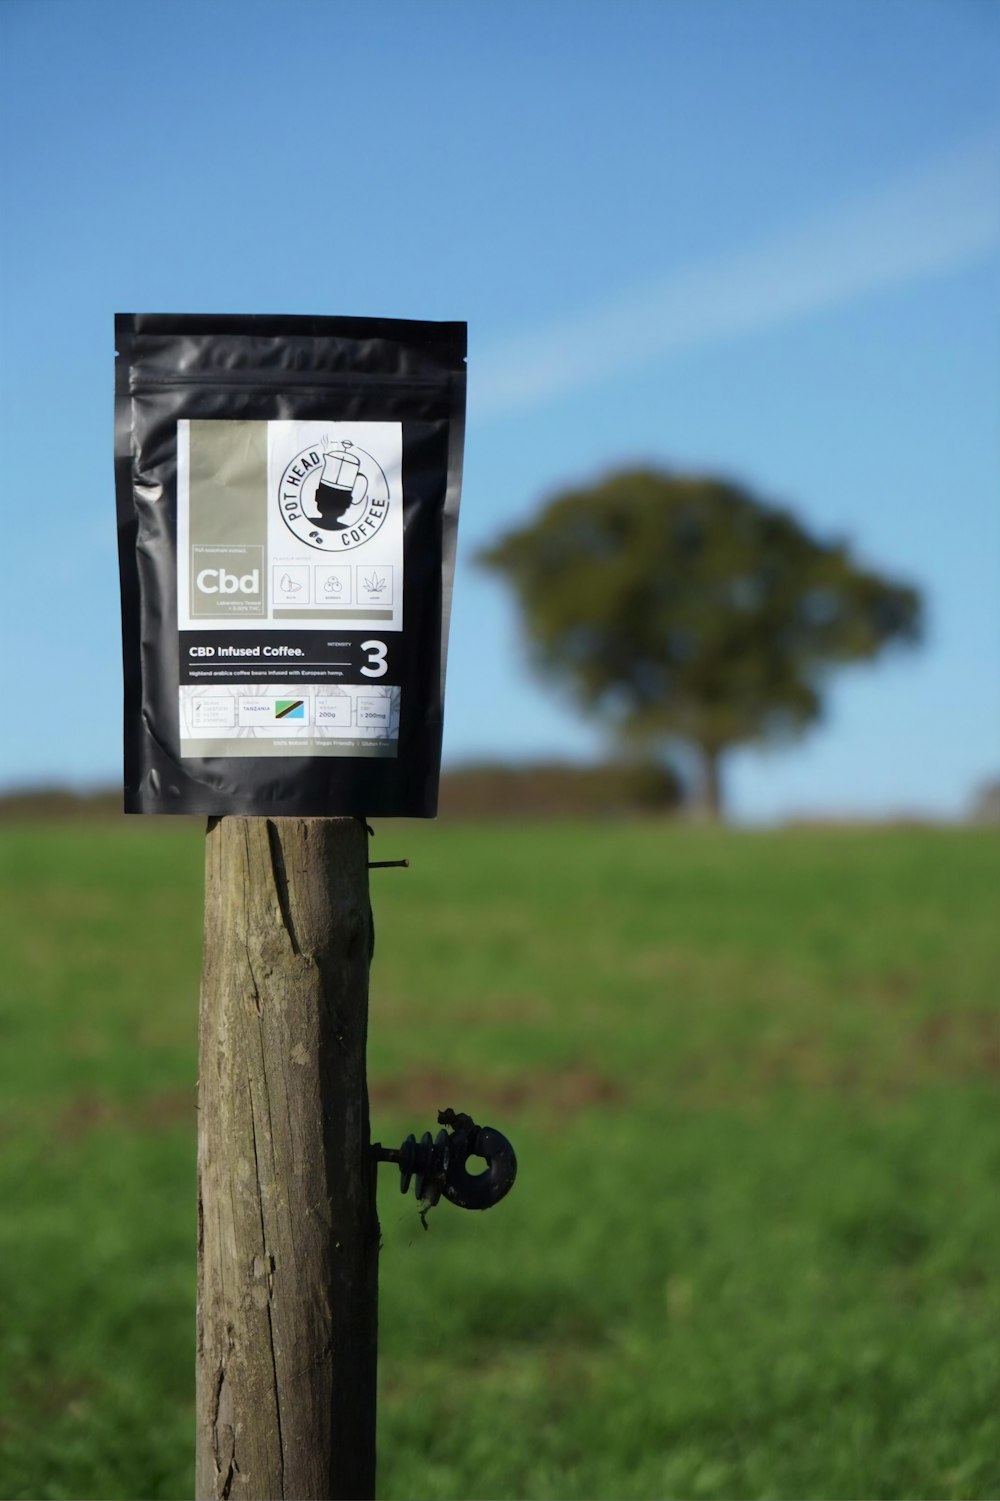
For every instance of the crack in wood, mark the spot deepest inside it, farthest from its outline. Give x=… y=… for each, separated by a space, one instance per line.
x=277 y=1399
x=227 y=1484
x=220 y=1377
x=269 y=1261
x=258 y=999
x=279 y=875
x=223 y=1439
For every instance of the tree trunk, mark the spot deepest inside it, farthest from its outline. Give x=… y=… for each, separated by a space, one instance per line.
x=287 y=1229
x=712 y=804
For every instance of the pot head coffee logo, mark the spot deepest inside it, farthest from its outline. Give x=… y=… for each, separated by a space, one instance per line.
x=333 y=496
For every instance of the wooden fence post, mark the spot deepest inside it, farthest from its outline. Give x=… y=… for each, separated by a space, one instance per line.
x=287 y=1227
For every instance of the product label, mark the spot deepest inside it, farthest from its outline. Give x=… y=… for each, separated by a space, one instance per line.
x=289 y=587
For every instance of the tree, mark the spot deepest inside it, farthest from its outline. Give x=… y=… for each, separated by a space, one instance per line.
x=682 y=609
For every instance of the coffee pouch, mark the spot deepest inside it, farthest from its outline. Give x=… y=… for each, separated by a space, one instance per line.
x=288 y=493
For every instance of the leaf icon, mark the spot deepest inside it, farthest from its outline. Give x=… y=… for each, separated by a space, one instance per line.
x=374 y=584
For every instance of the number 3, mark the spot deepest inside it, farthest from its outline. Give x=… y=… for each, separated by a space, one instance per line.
x=377 y=665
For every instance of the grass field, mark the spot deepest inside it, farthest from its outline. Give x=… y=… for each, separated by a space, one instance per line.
x=753 y=1082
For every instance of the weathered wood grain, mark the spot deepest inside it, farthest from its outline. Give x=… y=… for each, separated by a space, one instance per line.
x=287 y=1228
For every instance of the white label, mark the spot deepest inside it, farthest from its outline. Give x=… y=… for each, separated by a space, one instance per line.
x=373 y=713
x=289 y=587
x=338 y=712
x=318 y=530
x=336 y=501
x=214 y=713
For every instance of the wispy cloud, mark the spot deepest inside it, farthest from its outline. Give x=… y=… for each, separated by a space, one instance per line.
x=931 y=221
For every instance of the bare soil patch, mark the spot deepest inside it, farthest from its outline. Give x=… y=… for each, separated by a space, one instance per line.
x=563 y=1092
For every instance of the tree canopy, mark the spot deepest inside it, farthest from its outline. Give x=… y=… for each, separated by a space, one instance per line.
x=683 y=608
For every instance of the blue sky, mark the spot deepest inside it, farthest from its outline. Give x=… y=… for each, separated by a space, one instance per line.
x=759 y=238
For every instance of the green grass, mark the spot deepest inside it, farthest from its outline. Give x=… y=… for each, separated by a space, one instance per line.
x=753 y=1083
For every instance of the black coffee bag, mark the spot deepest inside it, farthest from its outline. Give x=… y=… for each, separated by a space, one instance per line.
x=288 y=493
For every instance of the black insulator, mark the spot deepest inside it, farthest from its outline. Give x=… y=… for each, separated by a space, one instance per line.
x=437 y=1165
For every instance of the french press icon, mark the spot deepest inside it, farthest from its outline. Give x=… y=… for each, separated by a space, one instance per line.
x=342 y=488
